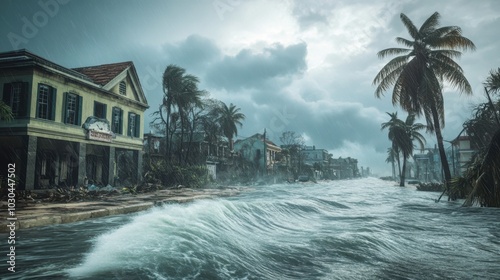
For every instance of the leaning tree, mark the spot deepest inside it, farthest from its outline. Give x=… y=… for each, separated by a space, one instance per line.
x=419 y=70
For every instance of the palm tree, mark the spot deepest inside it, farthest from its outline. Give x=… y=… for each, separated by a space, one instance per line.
x=484 y=171
x=172 y=87
x=393 y=122
x=187 y=102
x=180 y=93
x=402 y=134
x=391 y=158
x=413 y=129
x=418 y=71
x=493 y=81
x=401 y=142
x=228 y=119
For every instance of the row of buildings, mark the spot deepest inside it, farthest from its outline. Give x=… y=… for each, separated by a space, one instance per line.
x=86 y=125
x=309 y=161
x=266 y=158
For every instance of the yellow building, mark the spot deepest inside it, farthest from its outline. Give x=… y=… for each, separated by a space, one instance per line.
x=70 y=126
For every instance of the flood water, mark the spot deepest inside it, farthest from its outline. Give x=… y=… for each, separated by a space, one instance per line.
x=354 y=229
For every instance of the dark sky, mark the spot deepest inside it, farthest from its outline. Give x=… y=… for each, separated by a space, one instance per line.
x=305 y=66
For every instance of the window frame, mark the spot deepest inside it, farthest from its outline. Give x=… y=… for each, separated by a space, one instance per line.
x=48 y=107
x=77 y=110
x=21 y=97
x=117 y=112
x=135 y=119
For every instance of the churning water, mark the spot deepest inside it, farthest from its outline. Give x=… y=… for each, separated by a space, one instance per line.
x=358 y=229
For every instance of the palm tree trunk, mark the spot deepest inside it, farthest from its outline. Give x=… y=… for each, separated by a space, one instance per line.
x=393 y=169
x=181 y=115
x=191 y=134
x=403 y=173
x=399 y=164
x=442 y=153
x=167 y=131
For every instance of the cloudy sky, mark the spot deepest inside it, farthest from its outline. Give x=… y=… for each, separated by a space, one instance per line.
x=304 y=66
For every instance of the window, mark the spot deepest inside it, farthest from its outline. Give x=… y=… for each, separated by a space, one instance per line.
x=72 y=113
x=15 y=95
x=133 y=125
x=123 y=88
x=99 y=110
x=117 y=121
x=46 y=102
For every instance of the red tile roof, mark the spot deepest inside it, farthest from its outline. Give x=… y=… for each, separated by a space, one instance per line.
x=103 y=74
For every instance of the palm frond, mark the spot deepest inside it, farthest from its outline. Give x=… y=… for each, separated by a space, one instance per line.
x=392 y=51
x=412 y=30
x=493 y=81
x=430 y=24
x=405 y=42
x=486 y=191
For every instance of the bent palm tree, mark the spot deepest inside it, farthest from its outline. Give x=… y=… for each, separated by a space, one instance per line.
x=402 y=134
x=484 y=175
x=401 y=141
x=418 y=71
x=180 y=93
x=391 y=158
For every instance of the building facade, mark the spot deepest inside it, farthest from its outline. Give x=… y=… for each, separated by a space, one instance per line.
x=265 y=156
x=344 y=168
x=317 y=160
x=70 y=126
x=462 y=153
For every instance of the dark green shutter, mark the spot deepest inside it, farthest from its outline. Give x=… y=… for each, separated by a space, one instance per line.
x=137 y=125
x=95 y=107
x=128 y=125
x=52 y=100
x=105 y=111
x=65 y=108
x=37 y=102
x=79 y=113
x=7 y=91
x=121 y=122
x=25 y=101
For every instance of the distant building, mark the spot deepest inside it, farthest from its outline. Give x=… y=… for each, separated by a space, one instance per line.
x=427 y=167
x=70 y=125
x=365 y=172
x=345 y=168
x=316 y=160
x=458 y=154
x=462 y=153
x=265 y=157
x=154 y=146
x=195 y=146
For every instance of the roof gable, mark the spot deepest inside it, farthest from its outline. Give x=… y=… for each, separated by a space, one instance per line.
x=110 y=75
x=258 y=137
x=103 y=74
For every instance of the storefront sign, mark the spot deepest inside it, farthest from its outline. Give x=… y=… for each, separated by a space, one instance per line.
x=99 y=136
x=98 y=129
